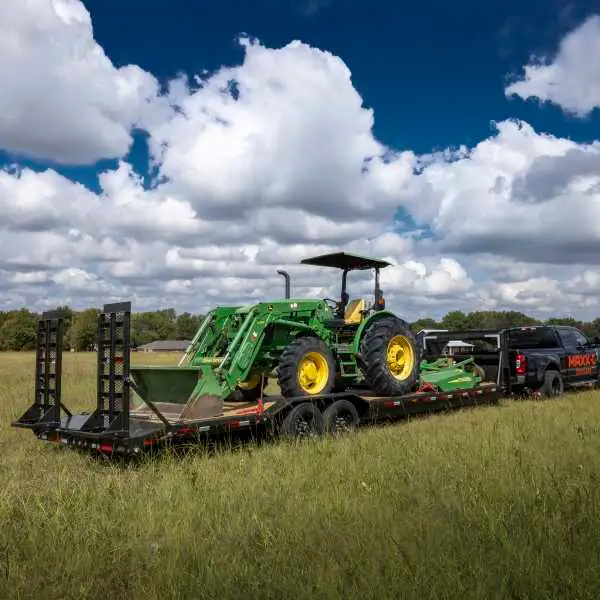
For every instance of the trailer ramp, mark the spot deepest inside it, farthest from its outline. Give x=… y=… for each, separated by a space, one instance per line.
x=111 y=415
x=45 y=412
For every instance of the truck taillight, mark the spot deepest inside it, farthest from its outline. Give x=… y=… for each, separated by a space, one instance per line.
x=521 y=364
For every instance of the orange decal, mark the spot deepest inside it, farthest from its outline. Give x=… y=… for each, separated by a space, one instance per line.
x=582 y=360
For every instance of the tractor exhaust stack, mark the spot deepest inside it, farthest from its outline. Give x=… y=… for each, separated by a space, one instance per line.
x=286 y=276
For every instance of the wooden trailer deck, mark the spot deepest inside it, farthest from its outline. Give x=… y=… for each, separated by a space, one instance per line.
x=190 y=413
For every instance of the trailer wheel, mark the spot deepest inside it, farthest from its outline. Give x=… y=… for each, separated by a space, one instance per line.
x=341 y=417
x=306 y=368
x=553 y=384
x=390 y=355
x=304 y=420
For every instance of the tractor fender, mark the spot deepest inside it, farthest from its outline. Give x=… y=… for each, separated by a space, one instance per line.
x=382 y=314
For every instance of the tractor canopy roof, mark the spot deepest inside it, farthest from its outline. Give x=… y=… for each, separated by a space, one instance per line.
x=344 y=260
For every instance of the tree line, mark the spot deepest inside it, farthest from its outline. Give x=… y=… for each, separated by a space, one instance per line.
x=18 y=327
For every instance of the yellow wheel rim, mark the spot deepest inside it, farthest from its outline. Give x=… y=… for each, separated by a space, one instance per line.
x=313 y=373
x=400 y=357
x=250 y=383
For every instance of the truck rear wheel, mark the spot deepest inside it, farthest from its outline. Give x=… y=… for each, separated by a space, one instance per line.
x=390 y=357
x=306 y=368
x=553 y=384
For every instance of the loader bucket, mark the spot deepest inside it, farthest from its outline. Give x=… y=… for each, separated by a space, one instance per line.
x=165 y=384
x=190 y=392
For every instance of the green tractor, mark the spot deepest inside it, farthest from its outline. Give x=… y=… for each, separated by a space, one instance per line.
x=310 y=346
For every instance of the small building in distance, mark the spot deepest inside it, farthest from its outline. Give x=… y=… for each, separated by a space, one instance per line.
x=164 y=346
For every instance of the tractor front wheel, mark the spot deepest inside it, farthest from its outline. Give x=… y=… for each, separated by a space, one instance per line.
x=390 y=357
x=306 y=368
x=249 y=390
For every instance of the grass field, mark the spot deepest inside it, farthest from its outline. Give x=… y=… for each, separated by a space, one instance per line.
x=493 y=502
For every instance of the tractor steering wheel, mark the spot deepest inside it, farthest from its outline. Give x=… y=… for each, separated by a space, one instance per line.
x=335 y=303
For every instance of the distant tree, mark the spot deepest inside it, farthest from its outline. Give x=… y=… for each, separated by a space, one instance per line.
x=153 y=325
x=455 y=320
x=83 y=332
x=570 y=321
x=18 y=330
x=425 y=323
x=493 y=319
x=186 y=325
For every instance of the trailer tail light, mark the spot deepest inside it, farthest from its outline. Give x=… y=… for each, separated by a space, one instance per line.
x=521 y=364
x=105 y=447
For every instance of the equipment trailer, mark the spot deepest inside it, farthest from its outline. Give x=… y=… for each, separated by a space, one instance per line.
x=120 y=426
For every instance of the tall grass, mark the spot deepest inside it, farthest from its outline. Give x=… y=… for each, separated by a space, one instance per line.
x=493 y=502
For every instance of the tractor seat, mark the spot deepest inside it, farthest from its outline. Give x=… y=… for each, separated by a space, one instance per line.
x=354 y=311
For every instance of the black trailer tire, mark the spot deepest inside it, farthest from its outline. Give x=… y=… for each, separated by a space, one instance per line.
x=304 y=420
x=306 y=368
x=378 y=372
x=553 y=385
x=340 y=417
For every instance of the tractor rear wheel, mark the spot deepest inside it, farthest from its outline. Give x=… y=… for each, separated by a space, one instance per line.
x=306 y=368
x=391 y=362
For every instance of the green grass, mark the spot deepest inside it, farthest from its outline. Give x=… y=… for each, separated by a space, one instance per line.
x=493 y=502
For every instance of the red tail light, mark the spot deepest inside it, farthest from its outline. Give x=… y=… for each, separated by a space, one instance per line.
x=521 y=364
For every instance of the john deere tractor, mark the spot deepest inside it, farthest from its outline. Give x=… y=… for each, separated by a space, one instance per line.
x=311 y=346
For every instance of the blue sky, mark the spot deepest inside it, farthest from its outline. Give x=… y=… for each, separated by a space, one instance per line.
x=256 y=183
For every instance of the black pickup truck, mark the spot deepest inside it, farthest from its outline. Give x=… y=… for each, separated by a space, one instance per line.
x=550 y=358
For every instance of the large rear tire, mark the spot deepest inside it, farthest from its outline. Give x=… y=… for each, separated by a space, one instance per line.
x=306 y=368
x=391 y=361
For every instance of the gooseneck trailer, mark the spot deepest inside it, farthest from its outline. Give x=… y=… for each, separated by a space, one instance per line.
x=337 y=364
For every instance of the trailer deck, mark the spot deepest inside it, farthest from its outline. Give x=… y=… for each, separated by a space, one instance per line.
x=118 y=425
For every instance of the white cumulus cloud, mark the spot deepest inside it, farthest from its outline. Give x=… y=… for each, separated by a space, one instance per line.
x=571 y=79
x=62 y=98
